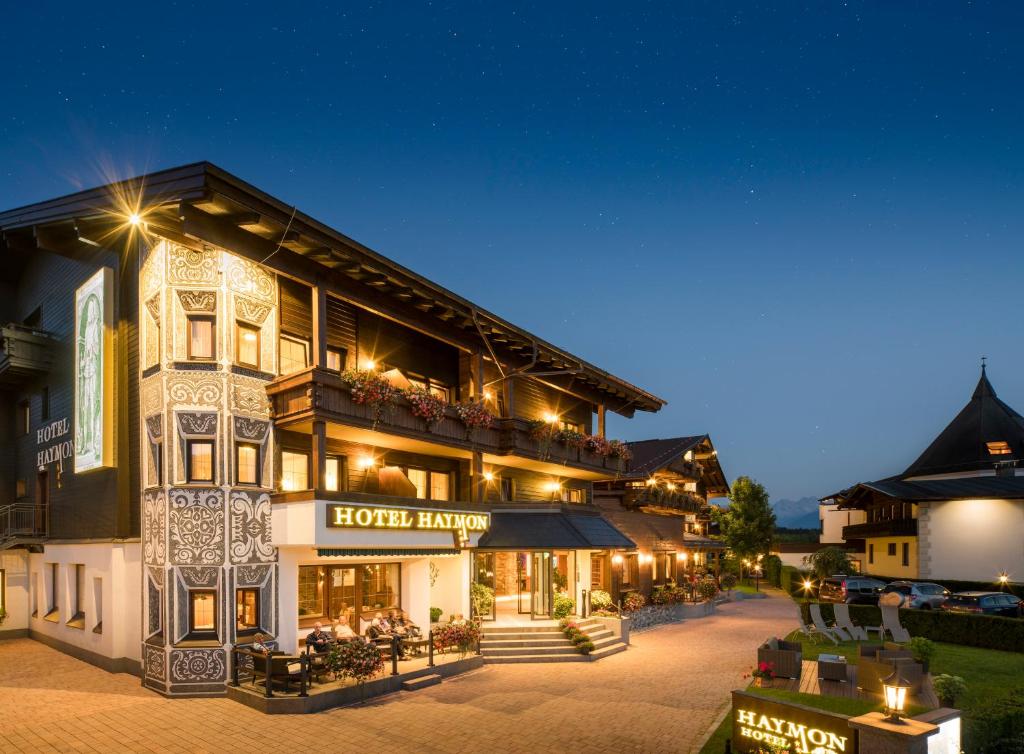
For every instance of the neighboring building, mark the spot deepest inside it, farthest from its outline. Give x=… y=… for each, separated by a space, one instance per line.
x=958 y=511
x=661 y=503
x=190 y=383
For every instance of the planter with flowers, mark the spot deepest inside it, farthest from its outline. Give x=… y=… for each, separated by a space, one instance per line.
x=459 y=636
x=632 y=602
x=474 y=415
x=425 y=405
x=358 y=660
x=372 y=390
x=763 y=674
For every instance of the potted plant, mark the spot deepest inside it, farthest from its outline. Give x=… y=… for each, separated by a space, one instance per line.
x=707 y=589
x=358 y=660
x=474 y=415
x=633 y=602
x=564 y=605
x=763 y=674
x=435 y=614
x=425 y=405
x=482 y=597
x=923 y=649
x=462 y=636
x=949 y=688
x=370 y=389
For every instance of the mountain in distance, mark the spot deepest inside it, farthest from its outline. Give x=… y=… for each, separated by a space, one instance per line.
x=797 y=514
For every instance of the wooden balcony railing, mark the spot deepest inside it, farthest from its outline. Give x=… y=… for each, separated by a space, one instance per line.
x=317 y=394
x=22 y=521
x=901 y=527
x=25 y=353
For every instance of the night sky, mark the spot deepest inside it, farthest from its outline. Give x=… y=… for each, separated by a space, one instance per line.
x=799 y=224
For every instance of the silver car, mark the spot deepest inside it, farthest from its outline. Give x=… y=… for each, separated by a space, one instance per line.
x=919 y=595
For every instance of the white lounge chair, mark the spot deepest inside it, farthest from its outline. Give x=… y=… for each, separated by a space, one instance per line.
x=859 y=633
x=891 y=623
x=819 y=625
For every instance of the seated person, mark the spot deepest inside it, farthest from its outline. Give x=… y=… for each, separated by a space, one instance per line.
x=411 y=629
x=342 y=630
x=458 y=619
x=380 y=632
x=318 y=640
x=259 y=643
x=397 y=624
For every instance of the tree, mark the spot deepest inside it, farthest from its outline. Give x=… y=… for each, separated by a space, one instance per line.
x=748 y=524
x=828 y=561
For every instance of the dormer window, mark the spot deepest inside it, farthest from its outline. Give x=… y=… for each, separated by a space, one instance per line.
x=999 y=448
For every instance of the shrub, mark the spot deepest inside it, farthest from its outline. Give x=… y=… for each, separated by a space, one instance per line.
x=728 y=581
x=482 y=597
x=358 y=660
x=633 y=602
x=564 y=605
x=586 y=647
x=462 y=636
x=949 y=688
x=661 y=596
x=923 y=649
x=435 y=614
x=707 y=589
x=579 y=638
x=773 y=570
x=989 y=727
x=600 y=600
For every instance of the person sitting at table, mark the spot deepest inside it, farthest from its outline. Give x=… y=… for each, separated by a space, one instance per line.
x=396 y=623
x=318 y=640
x=342 y=630
x=380 y=632
x=411 y=629
x=259 y=643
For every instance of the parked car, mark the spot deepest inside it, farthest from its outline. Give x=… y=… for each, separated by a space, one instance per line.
x=919 y=595
x=985 y=603
x=854 y=590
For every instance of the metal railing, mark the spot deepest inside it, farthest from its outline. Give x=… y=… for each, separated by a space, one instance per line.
x=22 y=520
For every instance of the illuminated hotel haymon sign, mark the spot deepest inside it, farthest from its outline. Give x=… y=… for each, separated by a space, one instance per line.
x=759 y=723
x=94 y=309
x=373 y=517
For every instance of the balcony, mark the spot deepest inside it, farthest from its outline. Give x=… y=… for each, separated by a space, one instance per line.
x=659 y=498
x=299 y=398
x=26 y=353
x=901 y=527
x=22 y=523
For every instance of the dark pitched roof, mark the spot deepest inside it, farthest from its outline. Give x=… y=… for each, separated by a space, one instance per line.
x=653 y=532
x=961 y=445
x=651 y=455
x=560 y=529
x=960 y=488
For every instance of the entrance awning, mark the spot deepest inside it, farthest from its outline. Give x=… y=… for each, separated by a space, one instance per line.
x=559 y=528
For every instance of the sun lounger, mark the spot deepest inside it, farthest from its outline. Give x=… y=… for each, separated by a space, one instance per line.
x=859 y=633
x=891 y=623
x=821 y=628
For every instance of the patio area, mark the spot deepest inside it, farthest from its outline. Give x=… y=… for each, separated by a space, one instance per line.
x=810 y=683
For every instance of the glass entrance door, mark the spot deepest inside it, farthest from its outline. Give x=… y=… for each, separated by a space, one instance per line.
x=524 y=583
x=541 y=595
x=483 y=589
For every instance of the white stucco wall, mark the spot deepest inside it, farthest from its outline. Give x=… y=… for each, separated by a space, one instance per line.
x=450 y=591
x=833 y=520
x=972 y=540
x=14 y=564
x=113 y=583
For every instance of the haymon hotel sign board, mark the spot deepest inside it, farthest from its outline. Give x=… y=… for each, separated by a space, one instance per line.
x=94 y=406
x=759 y=723
x=344 y=516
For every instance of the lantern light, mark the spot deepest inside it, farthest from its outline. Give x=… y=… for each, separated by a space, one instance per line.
x=369 y=365
x=682 y=556
x=617 y=559
x=134 y=218
x=550 y=418
x=488 y=476
x=365 y=462
x=651 y=482
x=895 y=689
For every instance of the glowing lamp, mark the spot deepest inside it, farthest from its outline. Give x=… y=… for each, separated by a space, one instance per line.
x=134 y=219
x=1004 y=578
x=369 y=365
x=617 y=559
x=553 y=486
x=651 y=482
x=550 y=418
x=682 y=557
x=671 y=486
x=488 y=395
x=895 y=688
x=365 y=462
x=807 y=585
x=488 y=476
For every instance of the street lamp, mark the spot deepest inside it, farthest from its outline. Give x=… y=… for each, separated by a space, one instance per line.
x=895 y=688
x=757 y=577
x=1004 y=579
x=807 y=586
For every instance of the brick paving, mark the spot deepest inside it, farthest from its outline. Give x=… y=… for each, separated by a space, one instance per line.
x=661 y=695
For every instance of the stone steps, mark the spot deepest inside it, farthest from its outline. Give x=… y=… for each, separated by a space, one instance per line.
x=421 y=683
x=513 y=644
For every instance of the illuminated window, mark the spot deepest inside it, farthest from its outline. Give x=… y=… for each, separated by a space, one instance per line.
x=570 y=426
x=506 y=489
x=20 y=488
x=247 y=345
x=335 y=359
x=294 y=471
x=200 y=337
x=199 y=461
x=247 y=463
x=1000 y=448
x=572 y=495
x=332 y=474
x=436 y=388
x=294 y=354
x=311 y=593
x=380 y=585
x=202 y=611
x=430 y=485
x=247 y=609
x=439 y=484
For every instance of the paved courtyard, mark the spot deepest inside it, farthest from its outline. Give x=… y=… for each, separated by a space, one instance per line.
x=661 y=695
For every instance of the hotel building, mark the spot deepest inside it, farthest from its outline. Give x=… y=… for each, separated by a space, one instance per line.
x=957 y=512
x=228 y=417
x=661 y=504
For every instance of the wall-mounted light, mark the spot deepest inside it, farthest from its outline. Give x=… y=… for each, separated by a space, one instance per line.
x=365 y=462
x=488 y=476
x=134 y=218
x=651 y=482
x=550 y=418
x=488 y=395
x=617 y=559
x=671 y=487
x=369 y=365
x=682 y=557
x=552 y=486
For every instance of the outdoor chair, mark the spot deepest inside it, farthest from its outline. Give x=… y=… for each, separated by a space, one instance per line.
x=891 y=623
x=819 y=624
x=282 y=668
x=807 y=630
x=871 y=673
x=859 y=633
x=785 y=657
x=870 y=650
x=832 y=670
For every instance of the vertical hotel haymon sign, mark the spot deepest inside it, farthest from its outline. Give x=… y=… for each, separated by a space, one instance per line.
x=94 y=310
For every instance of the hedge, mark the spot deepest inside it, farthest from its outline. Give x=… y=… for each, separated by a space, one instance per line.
x=773 y=570
x=996 y=728
x=791 y=579
x=985 y=631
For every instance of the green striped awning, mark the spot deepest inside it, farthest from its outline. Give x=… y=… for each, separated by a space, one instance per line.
x=334 y=552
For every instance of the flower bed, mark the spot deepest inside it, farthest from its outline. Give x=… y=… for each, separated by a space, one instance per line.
x=580 y=639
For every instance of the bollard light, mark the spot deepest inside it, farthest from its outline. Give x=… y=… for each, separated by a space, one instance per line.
x=895 y=688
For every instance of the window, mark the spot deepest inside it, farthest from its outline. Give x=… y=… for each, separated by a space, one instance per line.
x=658 y=570
x=247 y=345
x=435 y=387
x=335 y=359
x=294 y=471
x=891 y=550
x=906 y=553
x=24 y=418
x=506 y=488
x=247 y=609
x=430 y=485
x=3 y=590
x=597 y=571
x=202 y=613
x=380 y=583
x=199 y=460
x=572 y=495
x=44 y=400
x=76 y=600
x=294 y=354
x=570 y=426
x=51 y=601
x=332 y=474
x=97 y=597
x=1000 y=448
x=311 y=593
x=871 y=553
x=157 y=465
x=200 y=337
x=20 y=488
x=630 y=571
x=247 y=463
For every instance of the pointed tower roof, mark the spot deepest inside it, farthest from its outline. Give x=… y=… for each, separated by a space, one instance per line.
x=985 y=432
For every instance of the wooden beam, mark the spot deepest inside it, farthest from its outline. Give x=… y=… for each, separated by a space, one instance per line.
x=242 y=218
